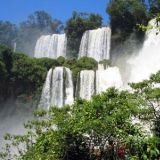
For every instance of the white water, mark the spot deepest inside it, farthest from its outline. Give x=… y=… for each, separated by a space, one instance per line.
x=91 y=82
x=51 y=46
x=148 y=59
x=100 y=66
x=69 y=87
x=96 y=44
x=58 y=88
x=46 y=92
x=57 y=94
x=87 y=84
x=14 y=47
x=107 y=78
x=146 y=62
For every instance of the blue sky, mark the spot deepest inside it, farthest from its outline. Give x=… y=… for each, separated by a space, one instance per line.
x=18 y=10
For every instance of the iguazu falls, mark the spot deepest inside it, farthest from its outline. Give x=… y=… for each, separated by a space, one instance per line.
x=80 y=80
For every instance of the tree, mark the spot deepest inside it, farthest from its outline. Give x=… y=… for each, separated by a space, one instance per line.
x=23 y=75
x=6 y=60
x=42 y=21
x=125 y=15
x=73 y=132
x=37 y=24
x=154 y=7
x=76 y=26
x=27 y=76
x=47 y=62
x=150 y=98
x=8 y=33
x=3 y=79
x=20 y=74
x=6 y=55
x=150 y=93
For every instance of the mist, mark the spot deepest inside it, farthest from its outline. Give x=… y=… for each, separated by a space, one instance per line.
x=147 y=61
x=123 y=52
x=137 y=61
x=23 y=37
x=13 y=114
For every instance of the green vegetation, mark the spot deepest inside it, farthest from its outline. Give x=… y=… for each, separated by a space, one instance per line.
x=47 y=62
x=20 y=74
x=74 y=132
x=125 y=15
x=76 y=26
x=23 y=75
x=37 y=24
x=154 y=7
x=127 y=20
x=76 y=65
x=27 y=32
x=6 y=62
x=8 y=32
x=27 y=76
x=105 y=62
x=107 y=118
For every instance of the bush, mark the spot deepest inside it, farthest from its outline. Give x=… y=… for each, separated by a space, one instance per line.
x=20 y=74
x=6 y=55
x=61 y=60
x=87 y=63
x=82 y=127
x=47 y=62
x=27 y=75
x=105 y=62
x=76 y=65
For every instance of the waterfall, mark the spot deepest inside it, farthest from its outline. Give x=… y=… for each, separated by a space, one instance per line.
x=148 y=59
x=100 y=66
x=69 y=87
x=96 y=44
x=51 y=46
x=109 y=77
x=46 y=92
x=57 y=94
x=14 y=47
x=87 y=84
x=58 y=88
x=91 y=82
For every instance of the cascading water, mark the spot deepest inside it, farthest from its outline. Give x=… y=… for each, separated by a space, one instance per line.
x=96 y=44
x=58 y=88
x=46 y=92
x=87 y=84
x=100 y=67
x=69 y=87
x=148 y=59
x=57 y=93
x=92 y=82
x=51 y=46
x=109 y=77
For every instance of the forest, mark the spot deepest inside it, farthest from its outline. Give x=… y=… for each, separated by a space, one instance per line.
x=114 y=125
